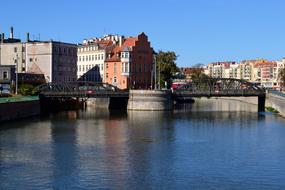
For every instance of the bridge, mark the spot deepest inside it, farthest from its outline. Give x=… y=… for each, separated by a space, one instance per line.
x=221 y=87
x=210 y=87
x=80 y=89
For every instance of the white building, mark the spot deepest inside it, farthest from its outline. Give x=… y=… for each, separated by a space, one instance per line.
x=91 y=56
x=56 y=60
x=13 y=52
x=222 y=70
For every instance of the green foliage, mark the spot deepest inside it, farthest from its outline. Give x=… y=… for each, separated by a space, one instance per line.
x=166 y=65
x=27 y=90
x=271 y=109
x=281 y=76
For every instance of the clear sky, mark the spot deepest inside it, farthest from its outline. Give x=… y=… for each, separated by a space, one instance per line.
x=199 y=31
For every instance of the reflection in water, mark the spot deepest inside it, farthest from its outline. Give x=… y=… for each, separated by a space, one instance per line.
x=181 y=149
x=64 y=150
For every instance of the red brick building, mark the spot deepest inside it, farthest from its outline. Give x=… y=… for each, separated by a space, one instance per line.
x=129 y=64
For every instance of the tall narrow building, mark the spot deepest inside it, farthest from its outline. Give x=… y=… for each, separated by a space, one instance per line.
x=129 y=64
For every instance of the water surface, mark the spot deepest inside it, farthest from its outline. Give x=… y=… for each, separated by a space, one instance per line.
x=188 y=148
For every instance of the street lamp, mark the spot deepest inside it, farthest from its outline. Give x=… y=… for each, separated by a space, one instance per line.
x=16 y=72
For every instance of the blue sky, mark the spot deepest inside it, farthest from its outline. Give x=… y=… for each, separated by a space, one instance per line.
x=199 y=31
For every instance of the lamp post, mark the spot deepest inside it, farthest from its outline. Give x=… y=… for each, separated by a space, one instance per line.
x=155 y=82
x=16 y=72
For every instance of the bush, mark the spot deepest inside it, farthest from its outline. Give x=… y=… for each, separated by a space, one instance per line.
x=27 y=90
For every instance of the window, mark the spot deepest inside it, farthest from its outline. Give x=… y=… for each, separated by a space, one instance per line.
x=127 y=67
x=5 y=75
x=83 y=58
x=15 y=49
x=92 y=57
x=115 y=80
x=79 y=58
x=86 y=57
x=89 y=57
x=15 y=60
x=115 y=68
x=23 y=49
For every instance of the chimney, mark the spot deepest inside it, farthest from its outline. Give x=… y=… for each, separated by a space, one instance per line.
x=11 y=32
x=120 y=41
x=2 y=38
x=28 y=36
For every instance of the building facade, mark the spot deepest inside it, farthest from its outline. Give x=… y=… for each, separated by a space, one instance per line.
x=129 y=64
x=56 y=60
x=91 y=56
x=262 y=72
x=13 y=52
x=7 y=78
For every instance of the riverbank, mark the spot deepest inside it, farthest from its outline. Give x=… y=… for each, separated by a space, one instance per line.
x=276 y=100
x=19 y=107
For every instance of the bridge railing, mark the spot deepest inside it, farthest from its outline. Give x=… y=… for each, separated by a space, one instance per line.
x=220 y=86
x=78 y=87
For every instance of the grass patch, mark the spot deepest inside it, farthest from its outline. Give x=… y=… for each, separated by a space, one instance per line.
x=271 y=109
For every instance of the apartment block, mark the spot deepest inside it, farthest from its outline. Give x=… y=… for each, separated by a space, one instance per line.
x=262 y=72
x=91 y=56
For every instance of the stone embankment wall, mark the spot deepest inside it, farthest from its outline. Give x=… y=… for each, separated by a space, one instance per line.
x=18 y=110
x=150 y=100
x=277 y=102
x=248 y=104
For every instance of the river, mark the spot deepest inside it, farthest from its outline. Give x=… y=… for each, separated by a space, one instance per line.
x=193 y=147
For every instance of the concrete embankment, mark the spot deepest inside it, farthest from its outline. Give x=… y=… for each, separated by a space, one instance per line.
x=150 y=100
x=19 y=109
x=276 y=100
x=248 y=104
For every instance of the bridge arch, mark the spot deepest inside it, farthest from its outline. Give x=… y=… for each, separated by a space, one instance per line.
x=221 y=87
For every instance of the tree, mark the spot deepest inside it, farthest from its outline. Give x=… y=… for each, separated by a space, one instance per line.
x=166 y=67
x=281 y=77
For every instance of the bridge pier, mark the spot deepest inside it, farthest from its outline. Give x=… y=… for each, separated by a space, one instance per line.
x=150 y=100
x=261 y=103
